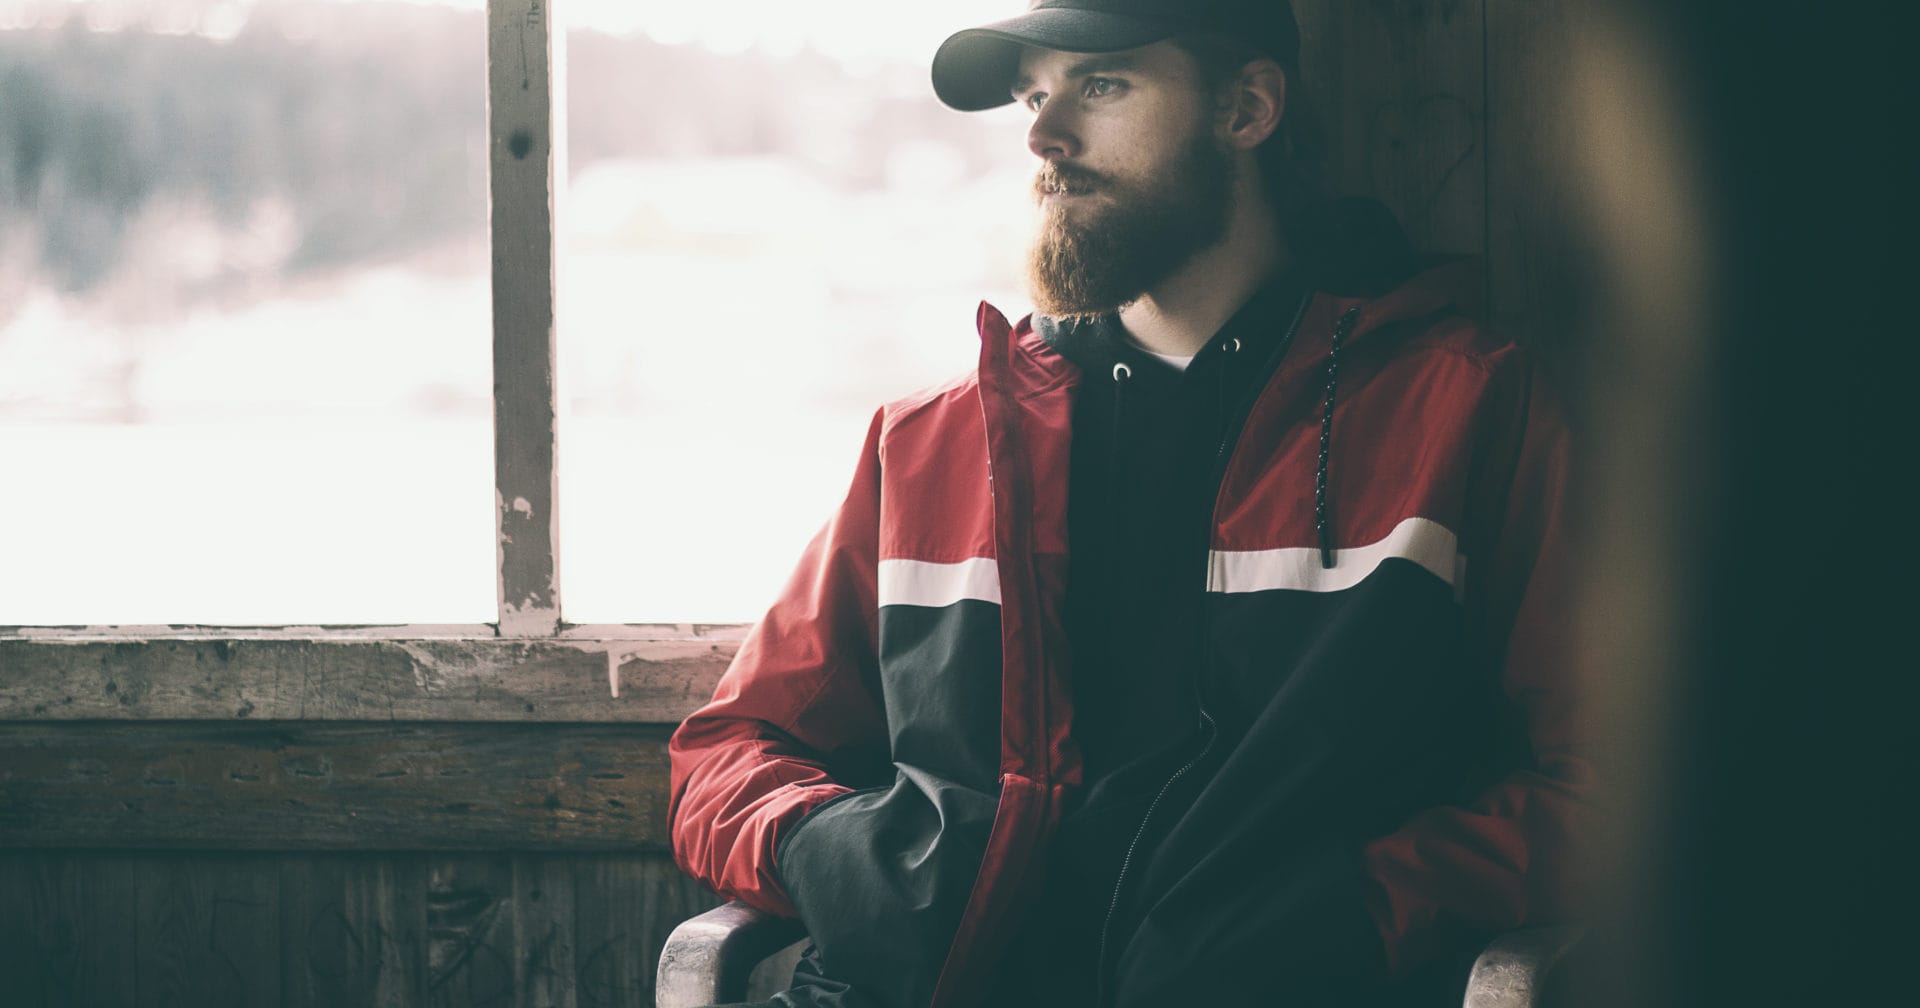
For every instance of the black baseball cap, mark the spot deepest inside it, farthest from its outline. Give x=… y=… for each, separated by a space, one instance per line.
x=974 y=69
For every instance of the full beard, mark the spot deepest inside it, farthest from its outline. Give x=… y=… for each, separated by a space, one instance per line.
x=1097 y=265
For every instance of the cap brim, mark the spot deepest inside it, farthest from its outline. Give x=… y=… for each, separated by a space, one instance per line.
x=974 y=69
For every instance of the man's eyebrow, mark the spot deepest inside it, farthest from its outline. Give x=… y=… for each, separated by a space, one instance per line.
x=1098 y=63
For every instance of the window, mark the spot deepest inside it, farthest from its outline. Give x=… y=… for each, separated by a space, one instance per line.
x=243 y=327
x=769 y=227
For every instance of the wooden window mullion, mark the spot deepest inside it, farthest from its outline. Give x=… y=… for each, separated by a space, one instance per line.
x=526 y=170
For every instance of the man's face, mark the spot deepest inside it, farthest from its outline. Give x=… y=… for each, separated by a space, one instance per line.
x=1132 y=183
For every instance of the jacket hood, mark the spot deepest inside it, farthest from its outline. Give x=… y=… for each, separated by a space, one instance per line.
x=1355 y=252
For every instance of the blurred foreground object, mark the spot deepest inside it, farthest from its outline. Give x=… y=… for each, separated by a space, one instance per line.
x=1749 y=575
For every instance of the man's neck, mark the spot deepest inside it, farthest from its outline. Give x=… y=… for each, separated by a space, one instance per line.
x=1181 y=313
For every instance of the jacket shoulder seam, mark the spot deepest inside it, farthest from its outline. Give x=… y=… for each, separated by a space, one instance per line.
x=920 y=399
x=1439 y=337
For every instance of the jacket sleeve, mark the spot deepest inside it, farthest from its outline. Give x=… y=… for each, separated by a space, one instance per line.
x=803 y=687
x=1503 y=860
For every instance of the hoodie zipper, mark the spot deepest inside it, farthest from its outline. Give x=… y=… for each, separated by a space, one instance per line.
x=1211 y=728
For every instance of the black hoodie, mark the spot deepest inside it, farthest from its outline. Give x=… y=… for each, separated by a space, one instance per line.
x=1150 y=444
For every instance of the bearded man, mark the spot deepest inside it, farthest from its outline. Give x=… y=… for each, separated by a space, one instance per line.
x=1204 y=644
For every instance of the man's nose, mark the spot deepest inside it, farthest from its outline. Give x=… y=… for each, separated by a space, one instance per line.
x=1052 y=135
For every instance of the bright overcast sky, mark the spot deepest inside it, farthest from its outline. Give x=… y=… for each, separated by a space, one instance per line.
x=857 y=31
x=849 y=29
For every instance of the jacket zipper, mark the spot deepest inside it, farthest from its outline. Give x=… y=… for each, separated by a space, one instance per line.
x=1211 y=727
x=1206 y=719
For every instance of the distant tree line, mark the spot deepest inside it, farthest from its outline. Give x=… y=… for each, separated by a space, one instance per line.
x=368 y=121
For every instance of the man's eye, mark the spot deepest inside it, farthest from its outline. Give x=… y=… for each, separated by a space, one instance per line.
x=1100 y=86
x=1035 y=100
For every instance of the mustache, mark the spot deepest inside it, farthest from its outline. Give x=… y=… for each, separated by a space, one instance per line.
x=1056 y=177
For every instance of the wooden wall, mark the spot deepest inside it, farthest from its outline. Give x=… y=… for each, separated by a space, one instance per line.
x=1456 y=115
x=481 y=823
x=414 y=822
x=213 y=929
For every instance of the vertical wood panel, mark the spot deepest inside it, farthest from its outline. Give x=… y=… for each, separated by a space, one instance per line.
x=313 y=930
x=174 y=911
x=101 y=889
x=242 y=954
x=350 y=930
x=470 y=931
x=210 y=932
x=543 y=931
x=610 y=951
x=1540 y=254
x=624 y=907
x=72 y=917
x=32 y=944
x=1400 y=85
x=386 y=898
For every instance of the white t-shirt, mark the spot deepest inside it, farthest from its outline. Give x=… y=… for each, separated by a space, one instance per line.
x=1178 y=362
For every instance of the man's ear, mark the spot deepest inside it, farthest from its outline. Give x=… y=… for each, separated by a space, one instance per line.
x=1257 y=103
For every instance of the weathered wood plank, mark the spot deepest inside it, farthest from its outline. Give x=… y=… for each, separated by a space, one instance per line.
x=543 y=932
x=301 y=929
x=352 y=930
x=70 y=927
x=209 y=934
x=624 y=908
x=612 y=965
x=470 y=931
x=289 y=786
x=1400 y=85
x=317 y=966
x=99 y=890
x=359 y=680
x=390 y=895
x=243 y=927
x=174 y=910
x=31 y=947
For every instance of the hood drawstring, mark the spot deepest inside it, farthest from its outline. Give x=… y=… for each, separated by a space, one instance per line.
x=1322 y=518
x=1221 y=408
x=1121 y=373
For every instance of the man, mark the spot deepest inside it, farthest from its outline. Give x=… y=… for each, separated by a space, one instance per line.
x=1202 y=646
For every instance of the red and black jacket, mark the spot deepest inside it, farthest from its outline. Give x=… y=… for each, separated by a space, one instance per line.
x=890 y=750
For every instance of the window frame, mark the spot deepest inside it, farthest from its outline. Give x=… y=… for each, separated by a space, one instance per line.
x=671 y=668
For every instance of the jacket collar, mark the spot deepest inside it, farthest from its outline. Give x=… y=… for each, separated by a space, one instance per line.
x=1041 y=365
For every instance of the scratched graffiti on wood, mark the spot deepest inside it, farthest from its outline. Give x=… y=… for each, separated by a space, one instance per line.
x=1419 y=151
x=246 y=930
x=1399 y=84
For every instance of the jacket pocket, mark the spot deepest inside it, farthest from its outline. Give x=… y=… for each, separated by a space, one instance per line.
x=880 y=878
